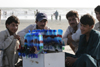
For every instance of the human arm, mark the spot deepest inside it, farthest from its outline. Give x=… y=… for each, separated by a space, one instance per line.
x=93 y=45
x=69 y=61
x=64 y=37
x=96 y=26
x=5 y=40
x=75 y=36
x=23 y=32
x=71 y=45
x=17 y=37
x=70 y=37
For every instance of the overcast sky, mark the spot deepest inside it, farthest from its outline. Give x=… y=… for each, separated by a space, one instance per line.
x=49 y=3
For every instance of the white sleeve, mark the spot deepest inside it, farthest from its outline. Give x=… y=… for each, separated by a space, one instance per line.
x=64 y=37
x=76 y=35
x=23 y=32
x=30 y=27
x=95 y=27
x=4 y=43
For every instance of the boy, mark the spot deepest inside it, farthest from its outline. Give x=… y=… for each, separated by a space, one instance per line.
x=41 y=21
x=88 y=54
x=9 y=42
x=97 y=12
x=73 y=32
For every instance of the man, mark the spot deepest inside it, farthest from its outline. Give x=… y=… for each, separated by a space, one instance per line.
x=73 y=31
x=97 y=12
x=9 y=43
x=88 y=54
x=37 y=12
x=56 y=15
x=41 y=21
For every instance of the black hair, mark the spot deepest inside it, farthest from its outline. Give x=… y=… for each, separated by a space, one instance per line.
x=12 y=19
x=87 y=19
x=72 y=13
x=97 y=8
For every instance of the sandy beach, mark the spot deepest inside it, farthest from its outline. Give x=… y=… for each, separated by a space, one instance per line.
x=63 y=24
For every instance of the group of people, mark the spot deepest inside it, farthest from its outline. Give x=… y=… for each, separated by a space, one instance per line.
x=81 y=35
x=83 y=38
x=56 y=15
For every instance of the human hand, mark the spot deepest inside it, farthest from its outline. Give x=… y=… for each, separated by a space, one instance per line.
x=17 y=37
x=69 y=35
x=69 y=61
x=69 y=41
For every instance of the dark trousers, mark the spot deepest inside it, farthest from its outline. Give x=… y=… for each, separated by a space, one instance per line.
x=69 y=55
x=84 y=60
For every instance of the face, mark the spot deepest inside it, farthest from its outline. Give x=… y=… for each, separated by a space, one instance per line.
x=13 y=27
x=85 y=29
x=41 y=24
x=73 y=21
x=97 y=15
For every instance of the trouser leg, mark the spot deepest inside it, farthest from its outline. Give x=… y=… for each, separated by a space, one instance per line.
x=85 y=61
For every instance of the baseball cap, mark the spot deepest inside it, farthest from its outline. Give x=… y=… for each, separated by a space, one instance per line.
x=41 y=16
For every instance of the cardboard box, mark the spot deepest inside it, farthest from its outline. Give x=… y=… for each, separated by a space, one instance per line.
x=46 y=60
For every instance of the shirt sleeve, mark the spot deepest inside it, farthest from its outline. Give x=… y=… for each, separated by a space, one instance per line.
x=27 y=28
x=64 y=37
x=5 y=42
x=93 y=45
x=76 y=35
x=95 y=27
x=23 y=32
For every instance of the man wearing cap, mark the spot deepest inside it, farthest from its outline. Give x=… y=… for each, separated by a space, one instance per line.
x=41 y=21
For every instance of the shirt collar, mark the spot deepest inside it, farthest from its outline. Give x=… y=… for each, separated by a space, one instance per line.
x=8 y=32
